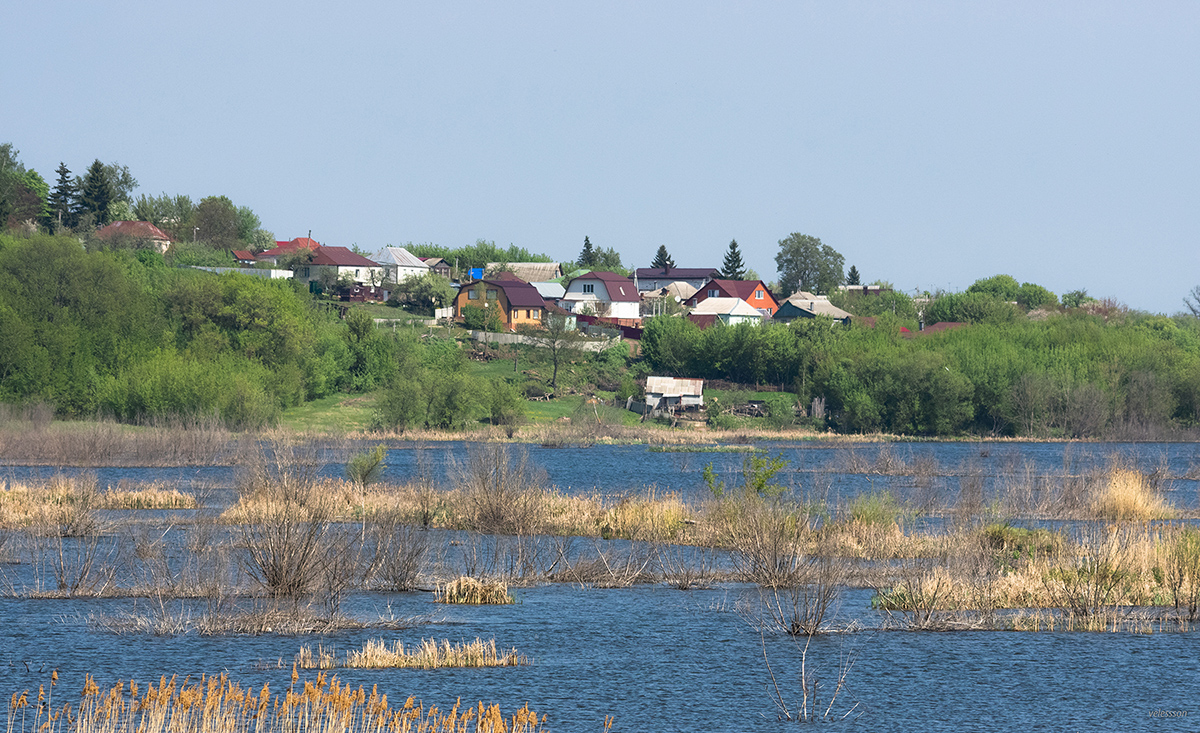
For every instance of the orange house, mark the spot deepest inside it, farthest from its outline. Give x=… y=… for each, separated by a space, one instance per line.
x=519 y=303
x=753 y=292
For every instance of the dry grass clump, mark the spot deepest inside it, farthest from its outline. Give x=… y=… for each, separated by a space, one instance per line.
x=155 y=495
x=377 y=654
x=472 y=592
x=1126 y=494
x=218 y=705
x=646 y=517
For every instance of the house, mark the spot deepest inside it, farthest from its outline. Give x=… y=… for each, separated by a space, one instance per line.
x=530 y=272
x=807 y=305
x=437 y=265
x=754 y=292
x=667 y=393
x=399 y=264
x=518 y=302
x=135 y=234
x=244 y=257
x=657 y=302
x=605 y=294
x=654 y=278
x=729 y=311
x=330 y=264
x=550 y=290
x=283 y=248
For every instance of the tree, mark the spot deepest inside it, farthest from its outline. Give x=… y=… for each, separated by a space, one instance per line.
x=1192 y=301
x=733 y=268
x=610 y=260
x=64 y=198
x=806 y=264
x=558 y=336
x=588 y=257
x=852 y=277
x=662 y=260
x=96 y=193
x=218 y=220
x=1004 y=287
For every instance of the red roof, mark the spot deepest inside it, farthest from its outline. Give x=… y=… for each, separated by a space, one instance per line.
x=241 y=254
x=340 y=257
x=283 y=248
x=133 y=230
x=619 y=287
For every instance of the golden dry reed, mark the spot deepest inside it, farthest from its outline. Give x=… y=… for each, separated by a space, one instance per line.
x=23 y=504
x=472 y=592
x=219 y=705
x=377 y=654
x=1126 y=495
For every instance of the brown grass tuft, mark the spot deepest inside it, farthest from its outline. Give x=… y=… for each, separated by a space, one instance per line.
x=377 y=654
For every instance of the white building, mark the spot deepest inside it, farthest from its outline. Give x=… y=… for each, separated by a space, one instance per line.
x=604 y=294
x=399 y=264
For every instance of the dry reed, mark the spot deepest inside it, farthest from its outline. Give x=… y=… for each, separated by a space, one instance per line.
x=378 y=654
x=472 y=592
x=218 y=705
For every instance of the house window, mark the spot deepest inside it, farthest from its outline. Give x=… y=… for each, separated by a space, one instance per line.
x=472 y=295
x=589 y=287
x=758 y=295
x=770 y=311
x=537 y=315
x=491 y=294
x=712 y=293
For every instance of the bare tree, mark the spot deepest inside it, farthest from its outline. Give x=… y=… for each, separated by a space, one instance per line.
x=558 y=336
x=1192 y=301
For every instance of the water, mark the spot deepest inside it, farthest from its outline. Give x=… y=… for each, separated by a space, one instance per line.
x=660 y=659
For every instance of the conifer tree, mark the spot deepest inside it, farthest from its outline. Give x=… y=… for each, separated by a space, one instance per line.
x=733 y=268
x=588 y=257
x=662 y=260
x=97 y=193
x=63 y=198
x=852 y=277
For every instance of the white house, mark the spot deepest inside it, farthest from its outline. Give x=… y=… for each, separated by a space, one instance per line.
x=399 y=264
x=340 y=262
x=604 y=294
x=730 y=311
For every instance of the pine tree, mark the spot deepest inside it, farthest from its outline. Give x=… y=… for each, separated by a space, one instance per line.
x=662 y=260
x=852 y=277
x=97 y=193
x=733 y=267
x=63 y=198
x=588 y=257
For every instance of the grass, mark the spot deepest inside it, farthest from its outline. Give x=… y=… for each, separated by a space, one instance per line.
x=335 y=415
x=217 y=704
x=377 y=654
x=472 y=592
x=1126 y=495
x=58 y=500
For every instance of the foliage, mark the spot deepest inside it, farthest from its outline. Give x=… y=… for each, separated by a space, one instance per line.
x=218 y=221
x=733 y=268
x=588 y=257
x=758 y=476
x=806 y=264
x=661 y=260
x=365 y=467
x=970 y=307
x=852 y=276
x=476 y=255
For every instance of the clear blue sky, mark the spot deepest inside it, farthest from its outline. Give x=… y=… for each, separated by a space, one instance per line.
x=930 y=143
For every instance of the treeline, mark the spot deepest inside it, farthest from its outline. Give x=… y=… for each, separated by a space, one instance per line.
x=119 y=333
x=1076 y=373
x=476 y=255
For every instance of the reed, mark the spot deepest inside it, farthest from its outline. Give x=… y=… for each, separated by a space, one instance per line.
x=217 y=704
x=378 y=654
x=472 y=592
x=1126 y=494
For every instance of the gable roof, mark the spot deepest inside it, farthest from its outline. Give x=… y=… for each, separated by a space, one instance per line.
x=815 y=305
x=674 y=387
x=529 y=271
x=242 y=254
x=398 y=256
x=282 y=248
x=619 y=287
x=340 y=257
x=676 y=273
x=726 y=307
x=133 y=230
x=743 y=289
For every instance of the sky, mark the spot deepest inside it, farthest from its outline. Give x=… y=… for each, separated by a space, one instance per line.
x=930 y=143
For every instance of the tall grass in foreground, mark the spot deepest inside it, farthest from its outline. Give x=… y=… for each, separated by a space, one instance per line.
x=219 y=705
x=377 y=654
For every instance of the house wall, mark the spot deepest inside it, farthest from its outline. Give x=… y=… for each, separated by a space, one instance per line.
x=601 y=303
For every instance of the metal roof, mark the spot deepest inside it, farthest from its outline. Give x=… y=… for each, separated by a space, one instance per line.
x=674 y=387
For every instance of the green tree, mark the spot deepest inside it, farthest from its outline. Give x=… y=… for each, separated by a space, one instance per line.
x=96 y=193
x=64 y=199
x=662 y=260
x=852 y=277
x=609 y=259
x=733 y=268
x=219 y=222
x=1032 y=297
x=588 y=257
x=1004 y=287
x=805 y=263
